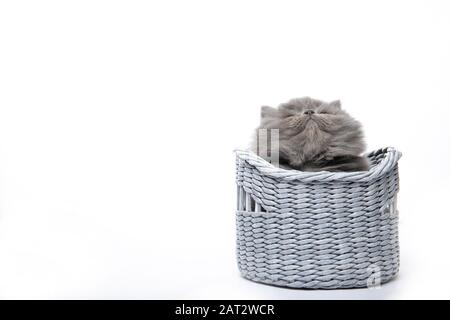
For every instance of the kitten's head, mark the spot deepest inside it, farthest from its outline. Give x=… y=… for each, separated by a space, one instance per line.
x=313 y=130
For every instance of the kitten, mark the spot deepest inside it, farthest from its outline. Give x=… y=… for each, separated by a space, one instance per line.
x=314 y=136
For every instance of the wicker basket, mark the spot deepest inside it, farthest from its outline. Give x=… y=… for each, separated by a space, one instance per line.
x=318 y=230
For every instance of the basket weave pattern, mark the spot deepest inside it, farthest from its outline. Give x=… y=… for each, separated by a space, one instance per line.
x=321 y=230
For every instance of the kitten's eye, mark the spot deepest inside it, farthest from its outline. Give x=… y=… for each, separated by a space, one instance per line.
x=323 y=112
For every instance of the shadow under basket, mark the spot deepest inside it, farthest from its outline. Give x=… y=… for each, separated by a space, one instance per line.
x=318 y=230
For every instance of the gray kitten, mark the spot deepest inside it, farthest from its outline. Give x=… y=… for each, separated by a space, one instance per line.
x=314 y=136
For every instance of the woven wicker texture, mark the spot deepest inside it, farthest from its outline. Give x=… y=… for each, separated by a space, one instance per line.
x=318 y=230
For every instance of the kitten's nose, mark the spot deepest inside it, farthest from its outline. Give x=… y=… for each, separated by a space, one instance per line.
x=309 y=112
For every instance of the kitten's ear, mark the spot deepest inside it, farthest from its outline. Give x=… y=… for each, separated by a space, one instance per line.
x=268 y=112
x=335 y=104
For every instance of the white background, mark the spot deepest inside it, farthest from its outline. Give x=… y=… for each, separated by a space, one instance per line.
x=118 y=120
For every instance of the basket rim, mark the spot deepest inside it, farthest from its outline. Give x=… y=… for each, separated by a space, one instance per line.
x=387 y=164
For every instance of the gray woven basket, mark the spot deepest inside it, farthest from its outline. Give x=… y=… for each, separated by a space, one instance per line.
x=318 y=230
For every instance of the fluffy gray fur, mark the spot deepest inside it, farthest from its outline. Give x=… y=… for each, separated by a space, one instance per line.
x=314 y=136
